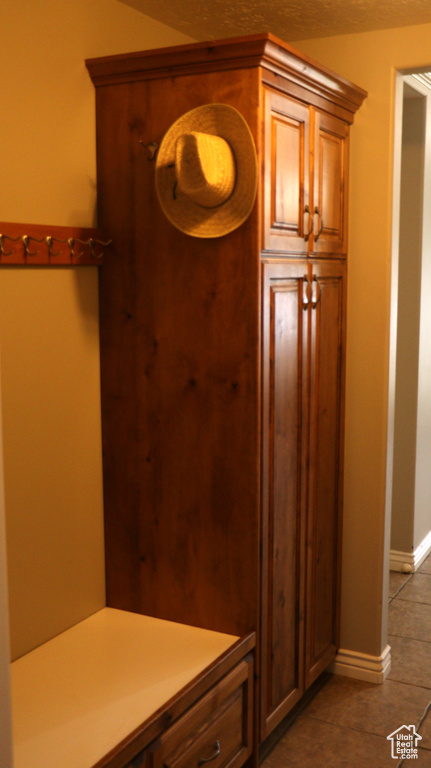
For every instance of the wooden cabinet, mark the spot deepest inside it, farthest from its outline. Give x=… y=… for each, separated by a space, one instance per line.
x=288 y=217
x=329 y=233
x=302 y=377
x=217 y=730
x=305 y=178
x=284 y=437
x=324 y=448
x=223 y=362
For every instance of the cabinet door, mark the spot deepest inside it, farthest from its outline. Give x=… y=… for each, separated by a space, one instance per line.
x=330 y=185
x=286 y=175
x=327 y=315
x=285 y=299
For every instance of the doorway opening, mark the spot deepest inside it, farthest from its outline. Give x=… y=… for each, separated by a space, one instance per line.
x=409 y=429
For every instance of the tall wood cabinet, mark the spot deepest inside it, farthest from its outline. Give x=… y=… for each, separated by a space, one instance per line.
x=223 y=360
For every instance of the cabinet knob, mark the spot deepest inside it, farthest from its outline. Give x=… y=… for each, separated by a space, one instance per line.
x=217 y=750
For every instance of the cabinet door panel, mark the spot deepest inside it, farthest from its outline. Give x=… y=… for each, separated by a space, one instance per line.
x=284 y=354
x=286 y=173
x=330 y=185
x=324 y=512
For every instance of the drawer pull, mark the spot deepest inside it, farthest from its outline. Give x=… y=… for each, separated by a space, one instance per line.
x=217 y=750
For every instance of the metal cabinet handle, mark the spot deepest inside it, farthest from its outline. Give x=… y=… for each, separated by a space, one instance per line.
x=310 y=223
x=316 y=237
x=306 y=292
x=315 y=296
x=217 y=750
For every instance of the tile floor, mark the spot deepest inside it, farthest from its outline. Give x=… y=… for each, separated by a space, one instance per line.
x=346 y=724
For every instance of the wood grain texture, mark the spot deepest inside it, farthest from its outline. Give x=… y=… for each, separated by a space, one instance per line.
x=223 y=361
x=279 y=61
x=330 y=186
x=286 y=181
x=179 y=339
x=327 y=361
x=285 y=343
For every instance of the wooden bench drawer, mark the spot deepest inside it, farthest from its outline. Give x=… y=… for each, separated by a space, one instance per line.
x=216 y=731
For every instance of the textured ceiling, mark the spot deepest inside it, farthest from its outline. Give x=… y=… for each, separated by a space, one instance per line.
x=288 y=19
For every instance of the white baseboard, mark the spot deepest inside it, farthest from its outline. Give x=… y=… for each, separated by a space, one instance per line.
x=361 y=666
x=409 y=562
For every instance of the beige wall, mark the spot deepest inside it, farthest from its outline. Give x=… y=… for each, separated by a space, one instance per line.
x=49 y=318
x=370 y=60
x=5 y=710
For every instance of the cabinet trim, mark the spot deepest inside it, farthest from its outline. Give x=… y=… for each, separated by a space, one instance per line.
x=276 y=57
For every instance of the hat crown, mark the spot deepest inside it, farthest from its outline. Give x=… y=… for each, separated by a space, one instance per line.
x=205 y=168
x=207 y=171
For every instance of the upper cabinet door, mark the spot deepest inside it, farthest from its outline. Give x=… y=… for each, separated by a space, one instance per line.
x=287 y=215
x=330 y=185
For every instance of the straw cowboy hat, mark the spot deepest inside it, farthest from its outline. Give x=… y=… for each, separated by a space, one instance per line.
x=206 y=171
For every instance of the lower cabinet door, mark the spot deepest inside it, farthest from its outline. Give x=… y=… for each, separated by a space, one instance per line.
x=327 y=357
x=286 y=297
x=217 y=731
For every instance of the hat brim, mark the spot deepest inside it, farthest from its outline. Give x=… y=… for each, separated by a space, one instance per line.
x=186 y=215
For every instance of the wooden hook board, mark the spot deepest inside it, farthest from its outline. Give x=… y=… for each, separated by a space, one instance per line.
x=43 y=245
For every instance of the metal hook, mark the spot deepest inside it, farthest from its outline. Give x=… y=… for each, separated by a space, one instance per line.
x=84 y=242
x=91 y=243
x=50 y=241
x=2 y=239
x=152 y=148
x=26 y=241
x=71 y=243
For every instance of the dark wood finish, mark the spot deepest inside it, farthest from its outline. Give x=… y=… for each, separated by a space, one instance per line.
x=179 y=360
x=222 y=507
x=303 y=387
x=219 y=726
x=135 y=745
x=31 y=253
x=327 y=359
x=284 y=370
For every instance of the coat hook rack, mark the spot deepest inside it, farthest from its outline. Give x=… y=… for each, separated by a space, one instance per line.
x=57 y=249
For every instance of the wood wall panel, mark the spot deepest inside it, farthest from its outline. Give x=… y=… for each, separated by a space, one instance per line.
x=179 y=377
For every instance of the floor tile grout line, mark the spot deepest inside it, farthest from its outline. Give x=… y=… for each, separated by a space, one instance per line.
x=407 y=637
x=406 y=600
x=426 y=710
x=351 y=727
x=416 y=685
x=401 y=587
